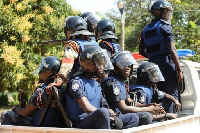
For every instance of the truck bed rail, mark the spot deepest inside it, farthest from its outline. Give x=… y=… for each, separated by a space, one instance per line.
x=181 y=125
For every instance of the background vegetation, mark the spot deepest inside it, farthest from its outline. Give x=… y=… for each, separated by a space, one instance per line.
x=25 y=22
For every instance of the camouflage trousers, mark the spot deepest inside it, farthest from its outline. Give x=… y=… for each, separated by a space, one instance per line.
x=12 y=118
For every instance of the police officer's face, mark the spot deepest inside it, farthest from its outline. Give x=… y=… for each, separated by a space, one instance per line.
x=68 y=33
x=99 y=34
x=126 y=71
x=44 y=75
x=100 y=70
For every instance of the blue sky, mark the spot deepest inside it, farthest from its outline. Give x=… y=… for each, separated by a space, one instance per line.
x=93 y=5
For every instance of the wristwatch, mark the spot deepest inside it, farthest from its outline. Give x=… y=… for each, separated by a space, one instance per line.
x=166 y=117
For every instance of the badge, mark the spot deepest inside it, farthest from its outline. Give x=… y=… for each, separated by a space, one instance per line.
x=75 y=87
x=116 y=90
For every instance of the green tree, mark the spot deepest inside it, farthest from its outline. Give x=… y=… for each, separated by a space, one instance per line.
x=185 y=23
x=23 y=24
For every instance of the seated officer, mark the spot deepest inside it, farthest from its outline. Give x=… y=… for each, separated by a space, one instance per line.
x=148 y=74
x=85 y=104
x=116 y=91
x=20 y=116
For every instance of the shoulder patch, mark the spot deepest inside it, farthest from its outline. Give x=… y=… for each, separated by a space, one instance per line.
x=116 y=89
x=75 y=85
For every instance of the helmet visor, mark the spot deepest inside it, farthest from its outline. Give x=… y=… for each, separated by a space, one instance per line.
x=154 y=74
x=102 y=60
x=42 y=67
x=168 y=13
x=124 y=59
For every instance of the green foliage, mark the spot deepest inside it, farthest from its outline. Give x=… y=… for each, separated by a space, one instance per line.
x=3 y=99
x=15 y=95
x=185 y=23
x=23 y=24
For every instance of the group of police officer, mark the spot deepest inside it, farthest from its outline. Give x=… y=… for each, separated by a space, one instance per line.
x=95 y=69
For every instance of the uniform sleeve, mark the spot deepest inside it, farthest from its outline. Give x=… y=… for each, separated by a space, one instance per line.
x=104 y=103
x=160 y=94
x=111 y=90
x=70 y=54
x=35 y=95
x=167 y=31
x=76 y=89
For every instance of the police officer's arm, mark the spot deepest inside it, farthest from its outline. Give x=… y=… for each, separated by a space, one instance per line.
x=165 y=116
x=70 y=54
x=76 y=90
x=85 y=105
x=31 y=106
x=25 y=112
x=168 y=34
x=113 y=94
x=142 y=49
x=174 y=57
x=176 y=102
x=131 y=109
x=165 y=96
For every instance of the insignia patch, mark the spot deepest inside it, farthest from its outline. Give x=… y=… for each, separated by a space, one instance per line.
x=75 y=87
x=116 y=90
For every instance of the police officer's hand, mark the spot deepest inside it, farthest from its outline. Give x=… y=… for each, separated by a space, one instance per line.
x=180 y=76
x=172 y=116
x=177 y=106
x=50 y=87
x=112 y=112
x=155 y=104
x=156 y=110
x=116 y=123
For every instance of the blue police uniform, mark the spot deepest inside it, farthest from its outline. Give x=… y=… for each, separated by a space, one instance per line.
x=147 y=95
x=53 y=116
x=83 y=44
x=115 y=91
x=82 y=87
x=111 y=46
x=155 y=37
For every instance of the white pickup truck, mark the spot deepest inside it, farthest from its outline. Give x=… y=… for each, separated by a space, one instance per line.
x=189 y=115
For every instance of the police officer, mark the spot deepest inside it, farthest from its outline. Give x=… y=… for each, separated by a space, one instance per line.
x=148 y=74
x=157 y=43
x=79 y=38
x=84 y=100
x=91 y=20
x=116 y=91
x=105 y=33
x=29 y=116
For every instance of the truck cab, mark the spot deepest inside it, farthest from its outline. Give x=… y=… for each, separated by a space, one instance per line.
x=190 y=88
